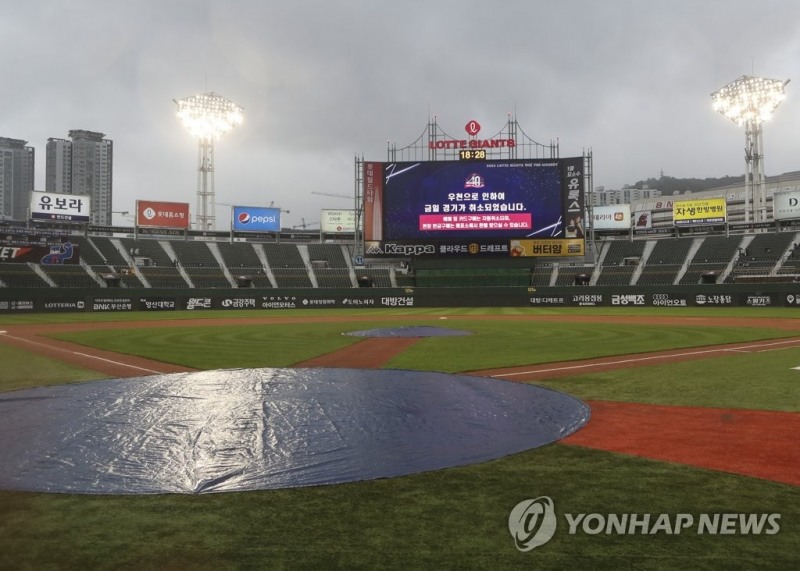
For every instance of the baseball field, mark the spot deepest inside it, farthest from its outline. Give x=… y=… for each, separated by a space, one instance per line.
x=689 y=459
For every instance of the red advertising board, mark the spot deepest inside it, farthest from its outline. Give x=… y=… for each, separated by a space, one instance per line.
x=153 y=214
x=373 y=198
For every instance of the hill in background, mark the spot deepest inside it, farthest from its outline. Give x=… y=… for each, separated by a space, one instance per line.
x=670 y=185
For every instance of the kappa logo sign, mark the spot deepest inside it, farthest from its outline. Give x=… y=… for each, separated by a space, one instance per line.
x=390 y=248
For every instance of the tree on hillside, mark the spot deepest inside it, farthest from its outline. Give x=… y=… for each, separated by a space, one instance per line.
x=670 y=185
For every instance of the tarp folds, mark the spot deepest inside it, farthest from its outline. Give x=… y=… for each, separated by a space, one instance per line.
x=248 y=429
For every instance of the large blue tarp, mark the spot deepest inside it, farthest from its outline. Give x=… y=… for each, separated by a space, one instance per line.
x=247 y=429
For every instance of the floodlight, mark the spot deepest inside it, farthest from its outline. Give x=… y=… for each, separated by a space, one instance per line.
x=207 y=117
x=749 y=101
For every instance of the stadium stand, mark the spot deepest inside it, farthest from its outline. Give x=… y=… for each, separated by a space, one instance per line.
x=243 y=263
x=207 y=277
x=619 y=250
x=87 y=251
x=152 y=250
x=287 y=265
x=257 y=276
x=69 y=276
x=329 y=265
x=761 y=256
x=199 y=264
x=333 y=277
x=665 y=261
x=713 y=256
x=616 y=275
x=20 y=276
x=379 y=277
x=541 y=275
x=178 y=263
x=283 y=256
x=109 y=251
x=291 y=277
x=238 y=255
x=331 y=254
x=163 y=277
x=568 y=275
x=127 y=276
x=790 y=264
x=193 y=254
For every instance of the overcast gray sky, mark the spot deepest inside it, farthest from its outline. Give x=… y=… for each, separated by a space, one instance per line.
x=321 y=81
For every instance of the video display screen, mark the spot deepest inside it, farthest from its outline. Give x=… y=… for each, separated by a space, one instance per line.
x=481 y=199
x=473 y=207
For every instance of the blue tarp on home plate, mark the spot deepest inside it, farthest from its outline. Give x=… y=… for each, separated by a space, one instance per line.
x=253 y=429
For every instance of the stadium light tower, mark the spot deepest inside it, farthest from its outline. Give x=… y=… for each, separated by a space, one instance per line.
x=750 y=101
x=207 y=116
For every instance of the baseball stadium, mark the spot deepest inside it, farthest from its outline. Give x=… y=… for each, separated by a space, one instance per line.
x=475 y=367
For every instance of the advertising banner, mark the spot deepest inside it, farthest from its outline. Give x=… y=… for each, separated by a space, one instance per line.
x=699 y=212
x=338 y=222
x=612 y=217
x=786 y=205
x=373 y=201
x=643 y=220
x=547 y=248
x=62 y=207
x=154 y=214
x=438 y=248
x=255 y=219
x=54 y=254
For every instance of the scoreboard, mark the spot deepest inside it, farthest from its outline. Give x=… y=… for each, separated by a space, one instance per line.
x=474 y=207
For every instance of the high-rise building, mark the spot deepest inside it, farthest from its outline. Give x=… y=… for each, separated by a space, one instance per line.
x=16 y=178
x=82 y=165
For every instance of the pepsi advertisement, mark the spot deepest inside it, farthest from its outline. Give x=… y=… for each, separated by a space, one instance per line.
x=452 y=200
x=256 y=219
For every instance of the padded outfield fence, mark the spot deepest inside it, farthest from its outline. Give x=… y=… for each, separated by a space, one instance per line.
x=20 y=300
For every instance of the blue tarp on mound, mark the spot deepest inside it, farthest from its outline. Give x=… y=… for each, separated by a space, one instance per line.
x=410 y=331
x=248 y=429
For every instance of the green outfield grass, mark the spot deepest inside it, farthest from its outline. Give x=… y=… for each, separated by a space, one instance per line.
x=493 y=343
x=453 y=518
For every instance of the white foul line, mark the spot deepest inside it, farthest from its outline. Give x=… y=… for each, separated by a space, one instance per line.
x=79 y=354
x=741 y=348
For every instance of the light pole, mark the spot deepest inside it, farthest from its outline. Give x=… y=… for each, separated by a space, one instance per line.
x=750 y=101
x=207 y=116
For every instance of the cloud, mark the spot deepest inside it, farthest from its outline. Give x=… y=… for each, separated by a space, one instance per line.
x=321 y=82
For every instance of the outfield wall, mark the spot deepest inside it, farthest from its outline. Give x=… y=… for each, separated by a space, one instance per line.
x=49 y=300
